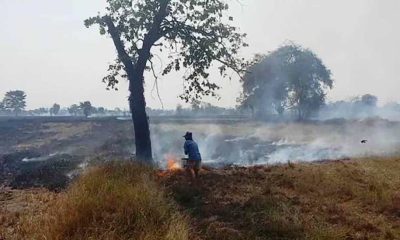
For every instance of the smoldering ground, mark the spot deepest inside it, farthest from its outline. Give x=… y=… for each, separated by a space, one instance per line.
x=253 y=143
x=31 y=152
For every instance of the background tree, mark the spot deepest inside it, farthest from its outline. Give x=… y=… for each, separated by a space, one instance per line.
x=309 y=79
x=365 y=105
x=290 y=78
x=369 y=100
x=195 y=106
x=2 y=108
x=40 y=111
x=73 y=110
x=194 y=32
x=392 y=106
x=265 y=89
x=101 y=110
x=15 y=101
x=179 y=109
x=55 y=109
x=118 y=111
x=87 y=108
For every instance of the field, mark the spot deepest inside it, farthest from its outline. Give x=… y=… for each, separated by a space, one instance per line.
x=312 y=180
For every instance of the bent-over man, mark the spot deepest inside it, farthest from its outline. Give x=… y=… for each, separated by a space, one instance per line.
x=194 y=158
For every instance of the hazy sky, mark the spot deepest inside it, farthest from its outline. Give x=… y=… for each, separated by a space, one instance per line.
x=46 y=51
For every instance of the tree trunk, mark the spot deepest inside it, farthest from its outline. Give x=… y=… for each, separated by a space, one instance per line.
x=137 y=102
x=140 y=120
x=135 y=74
x=300 y=114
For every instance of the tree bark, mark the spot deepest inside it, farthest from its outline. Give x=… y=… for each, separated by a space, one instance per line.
x=140 y=120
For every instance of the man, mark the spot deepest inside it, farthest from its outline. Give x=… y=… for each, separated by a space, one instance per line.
x=194 y=158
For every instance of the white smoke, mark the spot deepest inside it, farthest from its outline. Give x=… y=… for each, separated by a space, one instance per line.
x=249 y=143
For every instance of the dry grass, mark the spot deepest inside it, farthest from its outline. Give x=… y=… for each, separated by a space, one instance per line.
x=116 y=201
x=356 y=199
x=16 y=205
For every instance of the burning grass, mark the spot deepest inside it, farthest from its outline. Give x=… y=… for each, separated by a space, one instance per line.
x=173 y=162
x=116 y=201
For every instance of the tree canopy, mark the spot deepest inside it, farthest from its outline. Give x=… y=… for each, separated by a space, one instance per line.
x=289 y=78
x=74 y=109
x=15 y=101
x=193 y=33
x=369 y=100
x=55 y=109
x=87 y=108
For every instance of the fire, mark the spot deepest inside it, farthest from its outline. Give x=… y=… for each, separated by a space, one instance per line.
x=172 y=162
x=173 y=165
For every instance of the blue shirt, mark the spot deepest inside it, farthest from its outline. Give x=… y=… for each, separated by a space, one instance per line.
x=192 y=150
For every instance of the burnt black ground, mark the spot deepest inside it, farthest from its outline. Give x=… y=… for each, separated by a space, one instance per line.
x=47 y=152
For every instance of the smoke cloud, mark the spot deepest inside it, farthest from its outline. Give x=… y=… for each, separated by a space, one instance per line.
x=254 y=143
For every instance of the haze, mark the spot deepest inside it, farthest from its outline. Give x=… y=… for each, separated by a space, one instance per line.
x=47 y=52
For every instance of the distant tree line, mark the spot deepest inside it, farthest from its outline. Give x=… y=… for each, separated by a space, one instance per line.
x=199 y=108
x=14 y=104
x=289 y=83
x=84 y=108
x=359 y=107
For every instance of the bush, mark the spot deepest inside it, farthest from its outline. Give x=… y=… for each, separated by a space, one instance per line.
x=115 y=201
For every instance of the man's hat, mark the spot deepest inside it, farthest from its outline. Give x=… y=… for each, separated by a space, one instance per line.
x=188 y=135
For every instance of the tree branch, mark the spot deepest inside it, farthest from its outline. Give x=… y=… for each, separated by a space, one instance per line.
x=239 y=72
x=155 y=32
x=152 y=36
x=156 y=83
x=119 y=45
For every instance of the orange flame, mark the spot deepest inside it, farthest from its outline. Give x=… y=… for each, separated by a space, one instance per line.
x=172 y=162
